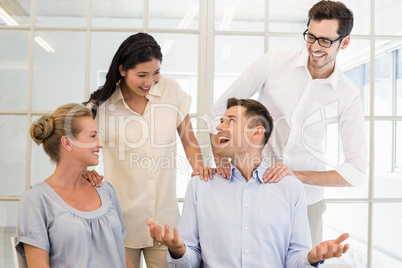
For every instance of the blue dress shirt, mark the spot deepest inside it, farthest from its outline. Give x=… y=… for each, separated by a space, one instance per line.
x=235 y=223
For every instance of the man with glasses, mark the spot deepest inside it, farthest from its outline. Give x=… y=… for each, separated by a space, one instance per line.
x=312 y=103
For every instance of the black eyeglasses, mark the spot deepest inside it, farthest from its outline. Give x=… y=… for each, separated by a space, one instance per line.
x=321 y=41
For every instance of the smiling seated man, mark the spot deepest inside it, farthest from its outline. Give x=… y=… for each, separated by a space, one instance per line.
x=244 y=222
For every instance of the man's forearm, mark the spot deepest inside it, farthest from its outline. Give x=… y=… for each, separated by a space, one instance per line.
x=322 y=178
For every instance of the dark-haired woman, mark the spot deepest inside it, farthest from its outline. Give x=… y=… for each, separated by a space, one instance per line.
x=139 y=114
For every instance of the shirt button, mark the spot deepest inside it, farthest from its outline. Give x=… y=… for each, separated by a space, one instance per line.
x=246 y=228
x=151 y=214
x=152 y=196
x=246 y=251
x=246 y=205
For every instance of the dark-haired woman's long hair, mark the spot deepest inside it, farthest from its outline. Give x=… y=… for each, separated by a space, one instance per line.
x=137 y=48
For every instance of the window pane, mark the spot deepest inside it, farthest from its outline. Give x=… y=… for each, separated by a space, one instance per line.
x=360 y=75
x=383 y=85
x=233 y=55
x=398 y=146
x=387 y=17
x=239 y=15
x=103 y=47
x=12 y=154
x=61 y=13
x=117 y=13
x=287 y=43
x=356 y=54
x=14 y=70
x=8 y=223
x=289 y=15
x=387 y=236
x=180 y=61
x=59 y=75
x=361 y=16
x=174 y=14
x=348 y=218
x=16 y=12
x=387 y=180
x=399 y=83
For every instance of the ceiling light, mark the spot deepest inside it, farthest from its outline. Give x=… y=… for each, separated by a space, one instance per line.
x=166 y=46
x=7 y=18
x=44 y=44
x=227 y=18
x=190 y=14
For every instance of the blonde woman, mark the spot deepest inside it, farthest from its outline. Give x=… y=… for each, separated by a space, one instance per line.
x=64 y=221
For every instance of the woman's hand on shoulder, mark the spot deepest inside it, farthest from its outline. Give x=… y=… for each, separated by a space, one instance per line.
x=204 y=172
x=93 y=177
x=224 y=169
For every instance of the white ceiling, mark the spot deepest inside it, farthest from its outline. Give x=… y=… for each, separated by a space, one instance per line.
x=279 y=10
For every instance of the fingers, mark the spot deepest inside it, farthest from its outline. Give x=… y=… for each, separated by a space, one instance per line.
x=342 y=238
x=152 y=228
x=339 y=251
x=151 y=223
x=167 y=236
x=318 y=253
x=224 y=174
x=345 y=248
x=93 y=177
x=176 y=236
x=158 y=234
x=211 y=172
x=205 y=173
x=276 y=172
x=330 y=251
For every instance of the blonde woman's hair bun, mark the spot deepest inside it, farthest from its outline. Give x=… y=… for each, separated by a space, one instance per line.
x=42 y=129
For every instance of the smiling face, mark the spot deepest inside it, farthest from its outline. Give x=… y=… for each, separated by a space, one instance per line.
x=232 y=133
x=321 y=60
x=86 y=145
x=139 y=80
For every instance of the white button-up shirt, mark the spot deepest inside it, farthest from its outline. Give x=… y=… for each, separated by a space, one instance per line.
x=310 y=115
x=139 y=156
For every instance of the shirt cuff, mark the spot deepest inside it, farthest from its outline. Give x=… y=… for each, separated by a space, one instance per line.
x=181 y=262
x=351 y=174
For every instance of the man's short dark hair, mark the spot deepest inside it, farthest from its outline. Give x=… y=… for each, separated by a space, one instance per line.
x=329 y=10
x=255 y=111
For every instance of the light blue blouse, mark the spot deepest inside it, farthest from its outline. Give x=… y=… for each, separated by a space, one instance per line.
x=72 y=238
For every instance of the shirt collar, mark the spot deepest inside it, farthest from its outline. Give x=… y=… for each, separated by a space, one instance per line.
x=333 y=79
x=258 y=173
x=117 y=95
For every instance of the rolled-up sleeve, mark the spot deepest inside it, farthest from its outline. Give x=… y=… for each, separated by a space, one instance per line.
x=354 y=141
